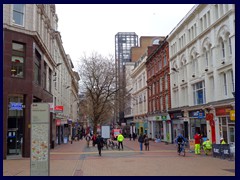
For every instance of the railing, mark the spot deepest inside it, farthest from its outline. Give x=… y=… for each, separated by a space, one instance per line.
x=223 y=151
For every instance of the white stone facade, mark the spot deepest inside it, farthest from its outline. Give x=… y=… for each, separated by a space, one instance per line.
x=202 y=56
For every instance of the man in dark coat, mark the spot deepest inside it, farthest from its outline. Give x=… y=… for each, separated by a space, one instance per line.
x=99 y=142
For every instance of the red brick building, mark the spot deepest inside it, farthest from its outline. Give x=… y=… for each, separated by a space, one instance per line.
x=158 y=82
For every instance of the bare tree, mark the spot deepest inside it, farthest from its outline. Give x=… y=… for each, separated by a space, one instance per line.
x=98 y=81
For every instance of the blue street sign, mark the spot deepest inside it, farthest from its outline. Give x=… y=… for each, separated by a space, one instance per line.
x=15 y=106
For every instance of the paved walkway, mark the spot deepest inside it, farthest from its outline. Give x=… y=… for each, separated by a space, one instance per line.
x=162 y=160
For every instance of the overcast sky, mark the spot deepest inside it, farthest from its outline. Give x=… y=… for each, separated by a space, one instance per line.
x=92 y=27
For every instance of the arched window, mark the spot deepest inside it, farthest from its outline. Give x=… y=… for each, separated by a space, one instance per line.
x=223 y=49
x=225 y=84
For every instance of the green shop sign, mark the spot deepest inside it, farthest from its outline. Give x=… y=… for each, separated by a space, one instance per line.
x=164 y=118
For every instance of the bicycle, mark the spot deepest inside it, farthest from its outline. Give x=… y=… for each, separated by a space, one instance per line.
x=181 y=149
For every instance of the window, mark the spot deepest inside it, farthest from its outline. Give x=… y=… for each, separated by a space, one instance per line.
x=166 y=102
x=223 y=50
x=232 y=79
x=206 y=57
x=199 y=93
x=165 y=59
x=37 y=67
x=161 y=84
x=230 y=46
x=18 y=56
x=166 y=81
x=160 y=65
x=50 y=80
x=225 y=84
x=161 y=103
x=18 y=14
x=194 y=66
x=44 y=79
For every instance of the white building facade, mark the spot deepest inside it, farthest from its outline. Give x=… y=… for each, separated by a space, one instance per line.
x=202 y=63
x=139 y=96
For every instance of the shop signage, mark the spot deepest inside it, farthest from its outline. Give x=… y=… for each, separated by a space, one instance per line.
x=157 y=117
x=164 y=118
x=176 y=115
x=58 y=122
x=232 y=115
x=223 y=111
x=15 y=106
x=197 y=114
x=58 y=109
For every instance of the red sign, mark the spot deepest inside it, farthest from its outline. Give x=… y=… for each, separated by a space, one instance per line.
x=58 y=109
x=209 y=116
x=58 y=122
x=223 y=111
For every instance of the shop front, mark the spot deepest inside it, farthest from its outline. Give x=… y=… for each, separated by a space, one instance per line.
x=197 y=123
x=155 y=127
x=226 y=124
x=15 y=125
x=141 y=126
x=167 y=129
x=177 y=124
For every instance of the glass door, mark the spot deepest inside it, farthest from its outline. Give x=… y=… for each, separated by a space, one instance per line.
x=231 y=136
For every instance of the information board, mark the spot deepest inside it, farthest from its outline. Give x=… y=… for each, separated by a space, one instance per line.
x=106 y=132
x=40 y=131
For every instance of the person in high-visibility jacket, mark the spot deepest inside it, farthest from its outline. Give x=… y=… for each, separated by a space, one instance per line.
x=207 y=146
x=120 y=139
x=222 y=141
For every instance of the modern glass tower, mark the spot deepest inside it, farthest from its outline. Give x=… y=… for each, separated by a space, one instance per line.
x=124 y=41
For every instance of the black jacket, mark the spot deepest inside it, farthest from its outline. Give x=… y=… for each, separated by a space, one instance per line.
x=141 y=139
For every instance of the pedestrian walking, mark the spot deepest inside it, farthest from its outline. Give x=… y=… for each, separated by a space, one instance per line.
x=70 y=138
x=134 y=136
x=197 y=138
x=146 y=143
x=99 y=142
x=141 y=140
x=120 y=139
x=94 y=137
x=130 y=136
x=88 y=138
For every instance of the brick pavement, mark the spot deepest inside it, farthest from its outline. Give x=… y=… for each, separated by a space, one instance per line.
x=162 y=160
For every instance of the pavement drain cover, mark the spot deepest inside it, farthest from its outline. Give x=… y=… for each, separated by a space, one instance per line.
x=230 y=170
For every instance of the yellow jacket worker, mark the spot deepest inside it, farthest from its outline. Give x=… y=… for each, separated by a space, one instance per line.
x=207 y=146
x=120 y=139
x=222 y=141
